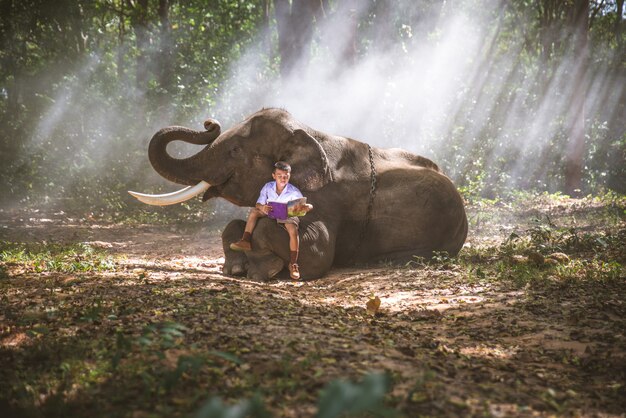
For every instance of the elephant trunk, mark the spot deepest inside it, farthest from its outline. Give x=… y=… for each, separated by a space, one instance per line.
x=186 y=171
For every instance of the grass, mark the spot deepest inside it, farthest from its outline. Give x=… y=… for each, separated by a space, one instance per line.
x=43 y=257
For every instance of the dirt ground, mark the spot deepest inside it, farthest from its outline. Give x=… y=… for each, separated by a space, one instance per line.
x=455 y=341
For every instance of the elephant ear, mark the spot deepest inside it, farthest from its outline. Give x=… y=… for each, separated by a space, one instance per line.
x=310 y=168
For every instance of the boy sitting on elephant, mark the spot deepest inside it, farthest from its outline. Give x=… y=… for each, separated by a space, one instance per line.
x=281 y=191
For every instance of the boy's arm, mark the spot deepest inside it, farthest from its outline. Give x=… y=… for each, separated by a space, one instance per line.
x=261 y=203
x=266 y=209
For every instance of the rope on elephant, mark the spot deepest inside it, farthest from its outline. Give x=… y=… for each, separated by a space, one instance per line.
x=370 y=204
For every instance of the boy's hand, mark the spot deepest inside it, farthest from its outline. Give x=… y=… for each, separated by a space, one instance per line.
x=308 y=207
x=266 y=209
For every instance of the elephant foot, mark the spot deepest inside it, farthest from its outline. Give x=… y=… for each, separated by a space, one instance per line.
x=235 y=264
x=266 y=268
x=236 y=269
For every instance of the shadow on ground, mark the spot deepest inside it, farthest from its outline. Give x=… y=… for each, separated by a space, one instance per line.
x=165 y=330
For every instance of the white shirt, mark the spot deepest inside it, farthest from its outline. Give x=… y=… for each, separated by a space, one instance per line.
x=268 y=193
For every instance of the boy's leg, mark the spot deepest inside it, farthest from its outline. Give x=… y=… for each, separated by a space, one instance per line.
x=253 y=216
x=244 y=243
x=294 y=246
x=294 y=241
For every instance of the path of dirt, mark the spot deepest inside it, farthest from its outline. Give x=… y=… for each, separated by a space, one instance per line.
x=453 y=346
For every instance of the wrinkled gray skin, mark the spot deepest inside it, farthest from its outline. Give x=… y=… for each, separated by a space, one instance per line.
x=416 y=211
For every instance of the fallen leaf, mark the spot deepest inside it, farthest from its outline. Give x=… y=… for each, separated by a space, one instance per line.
x=519 y=259
x=373 y=305
x=559 y=258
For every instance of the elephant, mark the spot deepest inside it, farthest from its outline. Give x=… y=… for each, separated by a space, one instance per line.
x=370 y=204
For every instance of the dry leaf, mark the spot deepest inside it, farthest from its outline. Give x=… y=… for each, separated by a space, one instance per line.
x=373 y=305
x=172 y=355
x=519 y=259
x=559 y=258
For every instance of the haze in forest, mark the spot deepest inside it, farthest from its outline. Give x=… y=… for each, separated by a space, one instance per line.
x=459 y=85
x=445 y=88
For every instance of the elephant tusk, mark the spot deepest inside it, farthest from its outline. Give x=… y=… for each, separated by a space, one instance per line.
x=172 y=198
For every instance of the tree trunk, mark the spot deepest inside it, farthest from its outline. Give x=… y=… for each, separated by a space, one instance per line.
x=267 y=6
x=7 y=69
x=345 y=48
x=139 y=21
x=295 y=24
x=121 y=34
x=618 y=25
x=383 y=31
x=78 y=33
x=165 y=61
x=576 y=138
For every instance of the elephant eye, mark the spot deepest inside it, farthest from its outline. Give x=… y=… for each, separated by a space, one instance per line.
x=235 y=151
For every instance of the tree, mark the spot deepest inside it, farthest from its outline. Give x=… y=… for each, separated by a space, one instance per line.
x=139 y=23
x=343 y=41
x=295 y=23
x=8 y=56
x=576 y=139
x=166 y=48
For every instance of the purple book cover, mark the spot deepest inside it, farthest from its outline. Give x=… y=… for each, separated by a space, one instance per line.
x=279 y=210
x=286 y=210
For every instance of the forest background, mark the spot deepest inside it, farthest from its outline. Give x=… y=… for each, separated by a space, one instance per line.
x=503 y=95
x=115 y=308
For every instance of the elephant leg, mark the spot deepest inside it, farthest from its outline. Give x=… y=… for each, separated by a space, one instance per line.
x=235 y=262
x=317 y=249
x=260 y=264
x=270 y=243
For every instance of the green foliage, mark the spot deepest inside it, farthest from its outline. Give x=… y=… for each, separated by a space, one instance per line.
x=41 y=257
x=85 y=59
x=338 y=399
x=341 y=398
x=214 y=408
x=161 y=336
x=543 y=252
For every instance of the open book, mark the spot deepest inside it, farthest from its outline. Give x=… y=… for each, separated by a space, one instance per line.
x=286 y=210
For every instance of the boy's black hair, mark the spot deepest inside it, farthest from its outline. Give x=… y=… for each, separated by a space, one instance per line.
x=281 y=165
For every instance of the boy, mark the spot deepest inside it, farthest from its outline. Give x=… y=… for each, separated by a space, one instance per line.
x=279 y=190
